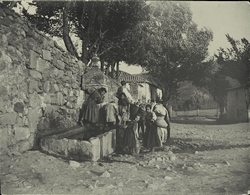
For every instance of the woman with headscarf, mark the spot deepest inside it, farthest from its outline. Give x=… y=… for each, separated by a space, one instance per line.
x=91 y=107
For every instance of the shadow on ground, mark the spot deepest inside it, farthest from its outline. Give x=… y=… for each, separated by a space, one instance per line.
x=187 y=145
x=201 y=120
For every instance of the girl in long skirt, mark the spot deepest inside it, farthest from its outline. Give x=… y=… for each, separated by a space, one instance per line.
x=152 y=138
x=131 y=137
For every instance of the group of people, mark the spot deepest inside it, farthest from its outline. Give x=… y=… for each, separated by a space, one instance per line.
x=97 y=112
x=154 y=124
x=151 y=119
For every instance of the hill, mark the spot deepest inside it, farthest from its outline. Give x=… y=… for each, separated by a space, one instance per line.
x=190 y=97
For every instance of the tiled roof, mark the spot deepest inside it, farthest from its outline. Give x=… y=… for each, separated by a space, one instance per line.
x=124 y=76
x=138 y=78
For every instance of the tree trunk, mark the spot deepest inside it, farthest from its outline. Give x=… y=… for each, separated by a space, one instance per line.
x=84 y=56
x=107 y=69
x=102 y=65
x=117 y=70
x=66 y=38
x=113 y=70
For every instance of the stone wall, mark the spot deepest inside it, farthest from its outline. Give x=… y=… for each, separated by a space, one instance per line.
x=40 y=84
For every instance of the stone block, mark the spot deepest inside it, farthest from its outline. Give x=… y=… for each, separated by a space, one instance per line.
x=18 y=107
x=69 y=105
x=59 y=147
x=110 y=149
x=45 y=143
x=60 y=98
x=103 y=144
x=35 y=74
x=19 y=121
x=47 y=74
x=56 y=88
x=60 y=65
x=33 y=59
x=4 y=93
x=60 y=74
x=32 y=140
x=3 y=139
x=33 y=118
x=83 y=151
x=8 y=118
x=21 y=133
x=47 y=55
x=41 y=65
x=34 y=100
x=46 y=98
x=25 y=121
x=33 y=86
x=71 y=93
x=24 y=146
x=95 y=152
x=46 y=86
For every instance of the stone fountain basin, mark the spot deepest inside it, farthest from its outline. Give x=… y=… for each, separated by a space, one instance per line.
x=80 y=144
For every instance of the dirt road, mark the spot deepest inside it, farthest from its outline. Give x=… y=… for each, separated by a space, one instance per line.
x=201 y=158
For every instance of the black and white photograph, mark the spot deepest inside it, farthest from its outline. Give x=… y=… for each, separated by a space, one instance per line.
x=125 y=97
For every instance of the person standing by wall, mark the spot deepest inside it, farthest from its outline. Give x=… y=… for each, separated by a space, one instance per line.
x=123 y=108
x=90 y=109
x=141 y=123
x=111 y=114
x=123 y=89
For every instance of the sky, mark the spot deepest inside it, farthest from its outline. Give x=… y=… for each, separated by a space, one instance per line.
x=225 y=17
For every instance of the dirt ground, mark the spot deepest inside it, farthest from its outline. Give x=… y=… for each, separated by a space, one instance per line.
x=200 y=158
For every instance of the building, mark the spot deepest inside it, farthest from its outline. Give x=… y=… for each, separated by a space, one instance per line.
x=237 y=101
x=141 y=86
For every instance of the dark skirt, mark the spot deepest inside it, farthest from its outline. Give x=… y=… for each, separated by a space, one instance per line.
x=91 y=111
x=129 y=138
x=152 y=137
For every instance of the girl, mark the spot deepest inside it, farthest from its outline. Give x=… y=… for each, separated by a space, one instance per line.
x=152 y=137
x=131 y=137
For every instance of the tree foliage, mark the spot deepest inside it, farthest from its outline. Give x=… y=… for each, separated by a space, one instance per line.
x=99 y=25
x=231 y=63
x=236 y=60
x=169 y=45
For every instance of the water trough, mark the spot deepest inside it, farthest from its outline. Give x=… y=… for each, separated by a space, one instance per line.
x=80 y=143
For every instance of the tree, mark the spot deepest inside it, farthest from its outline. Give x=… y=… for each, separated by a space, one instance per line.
x=99 y=25
x=169 y=45
x=211 y=76
x=236 y=60
x=236 y=63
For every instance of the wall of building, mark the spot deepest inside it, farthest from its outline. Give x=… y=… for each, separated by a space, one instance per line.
x=40 y=84
x=133 y=89
x=236 y=105
x=144 y=92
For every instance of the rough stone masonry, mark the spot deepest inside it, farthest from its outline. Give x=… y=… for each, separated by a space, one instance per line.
x=39 y=84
